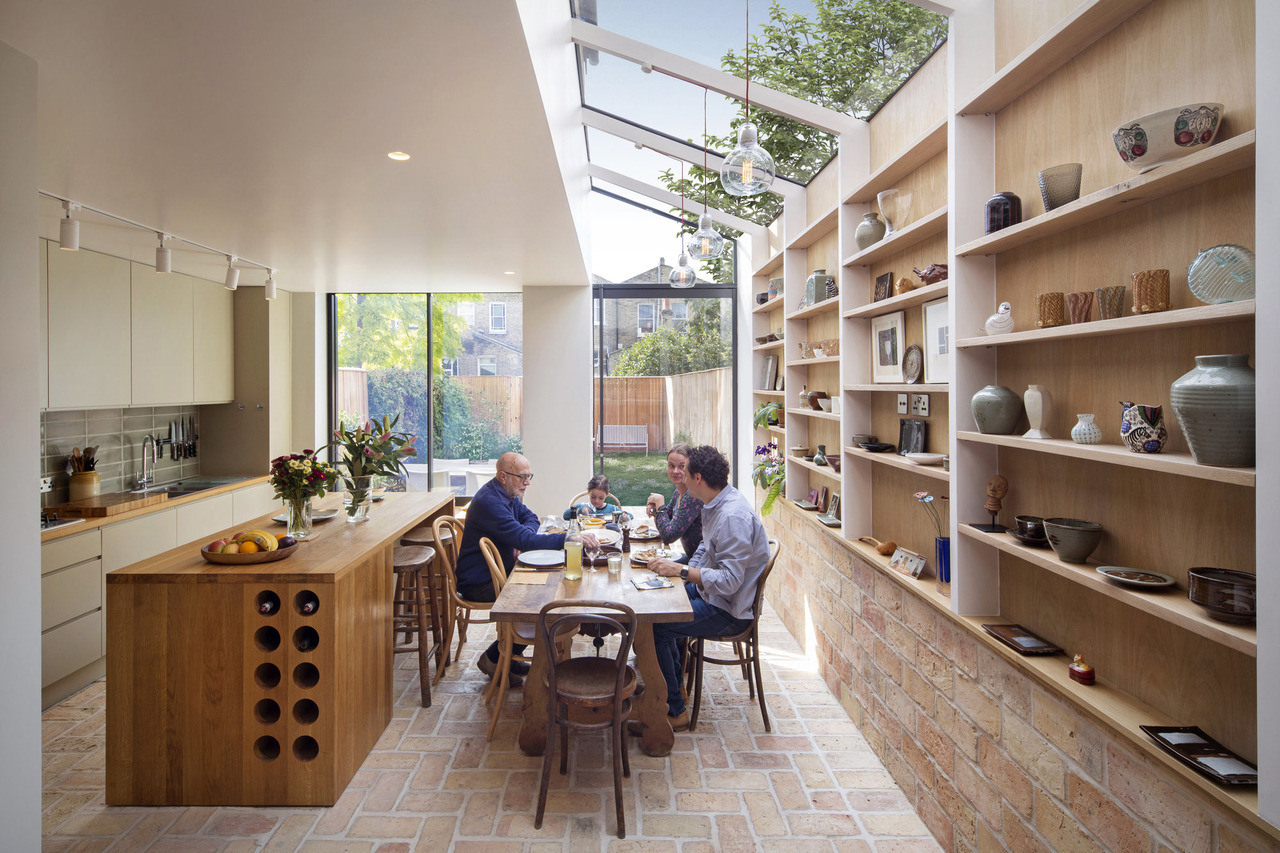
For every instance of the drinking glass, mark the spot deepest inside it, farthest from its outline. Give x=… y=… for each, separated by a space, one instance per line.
x=591 y=551
x=615 y=564
x=573 y=561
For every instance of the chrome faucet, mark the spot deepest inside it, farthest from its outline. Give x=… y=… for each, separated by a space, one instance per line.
x=147 y=478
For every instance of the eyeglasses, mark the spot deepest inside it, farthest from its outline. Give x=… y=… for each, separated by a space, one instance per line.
x=525 y=477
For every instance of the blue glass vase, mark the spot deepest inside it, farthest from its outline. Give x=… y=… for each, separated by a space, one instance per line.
x=942 y=564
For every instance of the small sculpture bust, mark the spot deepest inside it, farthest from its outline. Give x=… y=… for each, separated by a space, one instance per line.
x=1081 y=671
x=1001 y=322
x=997 y=488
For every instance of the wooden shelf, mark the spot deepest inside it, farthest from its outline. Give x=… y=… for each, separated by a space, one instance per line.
x=1201 y=315
x=917 y=232
x=1086 y=24
x=777 y=430
x=1170 y=603
x=762 y=393
x=812 y=413
x=817 y=469
x=772 y=305
x=768 y=346
x=816 y=230
x=772 y=264
x=805 y=362
x=893 y=460
x=916 y=388
x=920 y=151
x=911 y=298
x=1224 y=158
x=825 y=306
x=1178 y=464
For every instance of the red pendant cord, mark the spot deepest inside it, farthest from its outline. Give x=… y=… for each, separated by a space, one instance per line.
x=704 y=149
x=748 y=51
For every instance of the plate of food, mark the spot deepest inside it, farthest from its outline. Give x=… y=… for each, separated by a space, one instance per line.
x=316 y=515
x=644 y=555
x=543 y=559
x=644 y=532
x=604 y=535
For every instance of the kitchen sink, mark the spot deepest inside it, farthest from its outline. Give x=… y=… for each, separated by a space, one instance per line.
x=189 y=486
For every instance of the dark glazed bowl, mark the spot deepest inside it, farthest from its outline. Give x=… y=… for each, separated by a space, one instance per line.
x=1072 y=539
x=1228 y=595
x=1030 y=526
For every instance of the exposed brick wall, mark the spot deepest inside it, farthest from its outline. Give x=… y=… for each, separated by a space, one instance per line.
x=989 y=758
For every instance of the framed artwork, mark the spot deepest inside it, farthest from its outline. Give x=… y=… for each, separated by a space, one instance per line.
x=831 y=518
x=907 y=562
x=912 y=435
x=937 y=341
x=769 y=373
x=887 y=347
x=822 y=499
x=884 y=286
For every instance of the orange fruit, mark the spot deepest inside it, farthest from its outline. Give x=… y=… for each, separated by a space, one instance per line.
x=249 y=547
x=280 y=536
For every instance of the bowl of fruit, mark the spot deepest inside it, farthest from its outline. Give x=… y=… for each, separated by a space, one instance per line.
x=248 y=547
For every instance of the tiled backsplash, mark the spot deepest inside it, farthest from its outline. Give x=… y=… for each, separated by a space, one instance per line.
x=118 y=434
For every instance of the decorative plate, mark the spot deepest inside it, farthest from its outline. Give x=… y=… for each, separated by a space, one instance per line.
x=249 y=559
x=925 y=458
x=1135 y=577
x=912 y=363
x=542 y=558
x=1224 y=273
x=876 y=446
x=316 y=515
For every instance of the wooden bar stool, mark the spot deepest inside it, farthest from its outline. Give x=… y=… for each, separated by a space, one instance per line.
x=414 y=616
x=424 y=535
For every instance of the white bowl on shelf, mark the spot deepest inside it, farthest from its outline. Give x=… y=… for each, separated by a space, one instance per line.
x=924 y=458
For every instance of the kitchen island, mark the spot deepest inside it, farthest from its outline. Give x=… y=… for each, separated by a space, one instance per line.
x=211 y=701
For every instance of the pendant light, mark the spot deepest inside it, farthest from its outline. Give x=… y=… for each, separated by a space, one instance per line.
x=164 y=259
x=748 y=170
x=69 y=229
x=233 y=273
x=682 y=275
x=707 y=242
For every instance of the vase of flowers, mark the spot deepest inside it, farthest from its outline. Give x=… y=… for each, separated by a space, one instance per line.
x=941 y=543
x=769 y=473
x=297 y=479
x=367 y=451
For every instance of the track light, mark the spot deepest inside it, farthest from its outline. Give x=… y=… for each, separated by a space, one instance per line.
x=69 y=229
x=233 y=274
x=164 y=260
x=270 y=290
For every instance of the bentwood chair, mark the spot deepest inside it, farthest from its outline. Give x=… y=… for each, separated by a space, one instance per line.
x=587 y=692
x=509 y=634
x=746 y=650
x=459 y=611
x=581 y=498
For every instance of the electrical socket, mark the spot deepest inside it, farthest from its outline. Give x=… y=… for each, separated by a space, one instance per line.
x=920 y=405
x=46 y=485
x=902 y=404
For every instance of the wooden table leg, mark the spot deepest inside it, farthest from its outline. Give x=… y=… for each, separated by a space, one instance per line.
x=651 y=708
x=533 y=728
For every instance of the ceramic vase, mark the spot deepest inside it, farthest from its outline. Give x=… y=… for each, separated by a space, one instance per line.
x=942 y=561
x=298 y=522
x=996 y=410
x=1060 y=185
x=1039 y=411
x=1003 y=210
x=1086 y=431
x=1110 y=301
x=869 y=231
x=1079 y=306
x=1215 y=406
x=357 y=497
x=820 y=458
x=1142 y=427
x=815 y=287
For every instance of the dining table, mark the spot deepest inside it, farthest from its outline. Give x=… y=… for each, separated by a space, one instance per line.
x=529 y=588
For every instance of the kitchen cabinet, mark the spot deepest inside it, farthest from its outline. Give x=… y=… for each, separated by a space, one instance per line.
x=90 y=321
x=163 y=370
x=197 y=520
x=44 y=324
x=213 y=342
x=254 y=501
x=71 y=623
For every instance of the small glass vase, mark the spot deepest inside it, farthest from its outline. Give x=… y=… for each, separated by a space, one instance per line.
x=299 y=521
x=357 y=497
x=942 y=564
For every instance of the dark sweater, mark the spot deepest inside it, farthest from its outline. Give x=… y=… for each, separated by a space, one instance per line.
x=509 y=523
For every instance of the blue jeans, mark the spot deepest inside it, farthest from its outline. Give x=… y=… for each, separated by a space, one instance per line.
x=708 y=621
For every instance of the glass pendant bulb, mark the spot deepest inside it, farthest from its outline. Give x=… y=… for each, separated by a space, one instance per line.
x=707 y=242
x=683 y=275
x=748 y=170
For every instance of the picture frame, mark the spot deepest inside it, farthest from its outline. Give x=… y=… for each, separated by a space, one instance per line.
x=937 y=340
x=884 y=287
x=769 y=373
x=907 y=562
x=887 y=347
x=822 y=499
x=913 y=435
x=831 y=518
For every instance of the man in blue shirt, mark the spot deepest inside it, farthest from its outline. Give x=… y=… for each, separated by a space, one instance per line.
x=721 y=576
x=497 y=511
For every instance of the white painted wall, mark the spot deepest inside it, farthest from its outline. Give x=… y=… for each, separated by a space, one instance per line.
x=557 y=394
x=20 y=570
x=310 y=386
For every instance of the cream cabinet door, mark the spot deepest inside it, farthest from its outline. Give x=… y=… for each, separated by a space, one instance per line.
x=163 y=354
x=213 y=334
x=199 y=519
x=126 y=542
x=44 y=324
x=254 y=501
x=90 y=316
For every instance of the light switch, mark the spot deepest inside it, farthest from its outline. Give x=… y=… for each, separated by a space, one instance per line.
x=902 y=404
x=920 y=405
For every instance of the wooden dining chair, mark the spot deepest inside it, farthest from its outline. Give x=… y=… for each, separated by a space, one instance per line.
x=509 y=634
x=459 y=612
x=587 y=692
x=581 y=498
x=746 y=650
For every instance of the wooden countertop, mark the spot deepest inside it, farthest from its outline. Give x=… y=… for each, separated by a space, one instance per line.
x=168 y=503
x=332 y=549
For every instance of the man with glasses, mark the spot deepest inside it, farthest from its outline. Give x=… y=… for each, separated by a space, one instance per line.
x=497 y=511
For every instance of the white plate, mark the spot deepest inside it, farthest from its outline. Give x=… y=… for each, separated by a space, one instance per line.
x=650 y=534
x=661 y=552
x=924 y=458
x=316 y=515
x=542 y=558
x=606 y=537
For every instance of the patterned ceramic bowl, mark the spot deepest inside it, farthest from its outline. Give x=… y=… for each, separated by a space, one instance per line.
x=1162 y=137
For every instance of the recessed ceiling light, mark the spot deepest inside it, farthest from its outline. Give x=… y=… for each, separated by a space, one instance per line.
x=509 y=272
x=398 y=155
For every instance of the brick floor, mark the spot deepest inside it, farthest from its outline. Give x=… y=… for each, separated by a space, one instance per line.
x=434 y=784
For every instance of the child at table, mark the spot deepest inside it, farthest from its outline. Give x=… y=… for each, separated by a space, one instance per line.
x=597 y=504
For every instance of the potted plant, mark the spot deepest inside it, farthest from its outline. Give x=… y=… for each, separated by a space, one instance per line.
x=767 y=415
x=297 y=479
x=769 y=473
x=370 y=450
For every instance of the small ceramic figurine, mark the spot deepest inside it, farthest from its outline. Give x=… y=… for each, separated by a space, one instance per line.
x=1001 y=322
x=931 y=274
x=903 y=285
x=1080 y=671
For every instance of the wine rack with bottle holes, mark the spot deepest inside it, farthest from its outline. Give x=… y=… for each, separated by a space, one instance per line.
x=287 y=632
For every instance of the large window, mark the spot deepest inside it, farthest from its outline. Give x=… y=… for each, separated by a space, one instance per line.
x=645 y=322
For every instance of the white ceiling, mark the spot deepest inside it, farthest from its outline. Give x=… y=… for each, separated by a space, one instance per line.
x=262 y=128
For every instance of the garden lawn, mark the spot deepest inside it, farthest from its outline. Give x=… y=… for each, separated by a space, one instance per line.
x=635 y=476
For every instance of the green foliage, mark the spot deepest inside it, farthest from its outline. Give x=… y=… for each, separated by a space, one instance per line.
x=396 y=392
x=769 y=472
x=383 y=330
x=481 y=436
x=766 y=414
x=700 y=345
x=453 y=413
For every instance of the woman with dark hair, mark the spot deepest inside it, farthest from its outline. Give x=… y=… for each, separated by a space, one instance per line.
x=597 y=504
x=682 y=518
